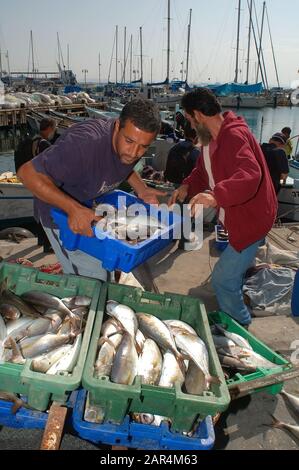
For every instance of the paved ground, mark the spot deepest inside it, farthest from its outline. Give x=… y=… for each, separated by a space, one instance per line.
x=246 y=423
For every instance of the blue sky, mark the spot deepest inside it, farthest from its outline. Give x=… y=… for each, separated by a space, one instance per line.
x=88 y=27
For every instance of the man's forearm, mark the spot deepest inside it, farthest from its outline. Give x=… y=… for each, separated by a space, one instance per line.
x=136 y=182
x=43 y=188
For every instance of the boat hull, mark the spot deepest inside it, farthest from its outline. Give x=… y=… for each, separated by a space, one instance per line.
x=16 y=202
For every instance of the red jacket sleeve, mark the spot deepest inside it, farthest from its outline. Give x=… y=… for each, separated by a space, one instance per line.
x=198 y=180
x=246 y=173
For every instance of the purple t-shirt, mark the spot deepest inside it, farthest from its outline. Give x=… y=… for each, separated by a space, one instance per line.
x=82 y=164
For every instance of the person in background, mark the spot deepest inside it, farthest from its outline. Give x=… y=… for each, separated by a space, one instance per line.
x=286 y=131
x=91 y=158
x=232 y=176
x=276 y=159
x=27 y=149
x=182 y=157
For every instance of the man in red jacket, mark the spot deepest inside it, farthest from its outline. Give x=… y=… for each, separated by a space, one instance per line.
x=232 y=176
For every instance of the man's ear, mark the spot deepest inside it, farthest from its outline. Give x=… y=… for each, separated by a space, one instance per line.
x=199 y=116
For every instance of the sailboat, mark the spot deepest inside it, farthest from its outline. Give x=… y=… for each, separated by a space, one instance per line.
x=236 y=95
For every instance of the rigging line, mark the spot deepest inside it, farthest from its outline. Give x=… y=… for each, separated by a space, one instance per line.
x=255 y=40
x=263 y=72
x=274 y=59
x=110 y=66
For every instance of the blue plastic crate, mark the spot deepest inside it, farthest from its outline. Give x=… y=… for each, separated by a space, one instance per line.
x=220 y=244
x=140 y=436
x=25 y=418
x=117 y=254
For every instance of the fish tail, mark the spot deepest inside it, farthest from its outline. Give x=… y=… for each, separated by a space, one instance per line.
x=276 y=423
x=18 y=403
x=213 y=380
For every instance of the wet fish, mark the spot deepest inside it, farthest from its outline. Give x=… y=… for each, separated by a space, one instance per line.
x=42 y=344
x=195 y=380
x=124 y=315
x=77 y=301
x=44 y=299
x=9 y=297
x=43 y=362
x=150 y=363
x=140 y=340
x=292 y=399
x=69 y=360
x=195 y=349
x=15 y=233
x=104 y=362
x=109 y=327
x=125 y=363
x=180 y=324
x=171 y=372
x=222 y=341
x=3 y=329
x=292 y=428
x=9 y=312
x=16 y=329
x=234 y=363
x=155 y=329
x=237 y=339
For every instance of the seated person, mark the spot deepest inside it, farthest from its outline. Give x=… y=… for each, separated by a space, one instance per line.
x=276 y=159
x=182 y=157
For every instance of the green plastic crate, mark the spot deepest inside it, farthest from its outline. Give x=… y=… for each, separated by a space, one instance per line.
x=259 y=347
x=38 y=387
x=119 y=400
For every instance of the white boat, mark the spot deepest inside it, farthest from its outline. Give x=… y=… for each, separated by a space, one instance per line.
x=16 y=202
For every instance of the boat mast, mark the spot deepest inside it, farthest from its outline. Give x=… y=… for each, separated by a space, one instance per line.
x=141 y=57
x=68 y=57
x=32 y=54
x=249 y=40
x=260 y=46
x=111 y=59
x=168 y=43
x=125 y=50
x=188 y=45
x=238 y=42
x=99 y=68
x=116 y=45
x=1 y=70
x=131 y=57
x=256 y=45
x=272 y=48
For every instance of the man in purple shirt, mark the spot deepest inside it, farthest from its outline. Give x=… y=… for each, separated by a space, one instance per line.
x=90 y=159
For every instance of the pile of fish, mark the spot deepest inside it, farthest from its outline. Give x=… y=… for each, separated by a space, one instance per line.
x=163 y=353
x=236 y=353
x=41 y=327
x=131 y=229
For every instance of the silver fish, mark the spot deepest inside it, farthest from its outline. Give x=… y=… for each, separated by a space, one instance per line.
x=69 y=360
x=124 y=315
x=43 y=362
x=42 y=344
x=222 y=341
x=44 y=299
x=234 y=363
x=110 y=327
x=292 y=399
x=195 y=380
x=237 y=339
x=150 y=363
x=155 y=329
x=257 y=360
x=180 y=324
x=38 y=327
x=77 y=301
x=8 y=297
x=104 y=362
x=9 y=312
x=125 y=363
x=17 y=329
x=140 y=340
x=171 y=371
x=3 y=329
x=196 y=350
x=292 y=428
